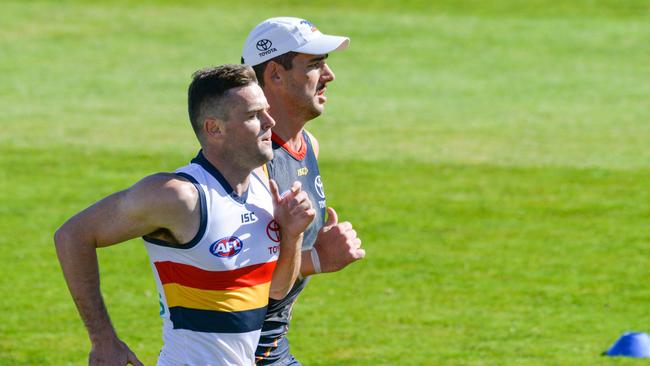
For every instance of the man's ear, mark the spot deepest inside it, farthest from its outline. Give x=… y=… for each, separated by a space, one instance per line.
x=213 y=127
x=273 y=73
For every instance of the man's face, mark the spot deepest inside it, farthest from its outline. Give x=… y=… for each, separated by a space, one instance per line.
x=305 y=84
x=248 y=128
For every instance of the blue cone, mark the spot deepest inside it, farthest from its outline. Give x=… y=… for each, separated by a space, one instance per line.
x=631 y=344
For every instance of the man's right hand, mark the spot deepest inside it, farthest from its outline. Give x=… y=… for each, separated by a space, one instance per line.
x=337 y=244
x=293 y=210
x=112 y=353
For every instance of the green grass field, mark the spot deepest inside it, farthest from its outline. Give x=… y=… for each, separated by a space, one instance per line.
x=493 y=156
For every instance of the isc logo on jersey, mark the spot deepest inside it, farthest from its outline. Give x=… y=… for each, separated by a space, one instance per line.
x=226 y=247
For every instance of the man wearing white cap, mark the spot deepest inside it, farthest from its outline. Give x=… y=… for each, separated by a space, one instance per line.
x=289 y=57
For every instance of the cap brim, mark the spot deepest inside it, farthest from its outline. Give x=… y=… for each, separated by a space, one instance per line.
x=324 y=44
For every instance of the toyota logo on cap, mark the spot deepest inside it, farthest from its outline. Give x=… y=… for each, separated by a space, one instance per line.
x=263 y=44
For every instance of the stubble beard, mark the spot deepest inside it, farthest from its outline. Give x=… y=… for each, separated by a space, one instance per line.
x=249 y=159
x=263 y=155
x=306 y=104
x=266 y=155
x=312 y=109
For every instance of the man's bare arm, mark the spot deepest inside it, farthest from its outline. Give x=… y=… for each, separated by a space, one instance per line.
x=337 y=244
x=159 y=201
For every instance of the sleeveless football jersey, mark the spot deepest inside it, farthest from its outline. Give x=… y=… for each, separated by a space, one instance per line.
x=214 y=290
x=286 y=167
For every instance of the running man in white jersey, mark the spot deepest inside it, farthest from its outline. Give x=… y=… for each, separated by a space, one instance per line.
x=220 y=240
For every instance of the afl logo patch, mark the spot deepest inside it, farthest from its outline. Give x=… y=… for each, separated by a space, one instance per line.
x=318 y=184
x=226 y=247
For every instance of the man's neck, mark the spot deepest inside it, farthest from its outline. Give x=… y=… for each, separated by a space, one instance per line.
x=288 y=128
x=291 y=136
x=237 y=177
x=288 y=121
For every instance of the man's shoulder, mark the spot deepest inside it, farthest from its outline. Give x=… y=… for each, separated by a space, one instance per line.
x=166 y=189
x=171 y=182
x=313 y=141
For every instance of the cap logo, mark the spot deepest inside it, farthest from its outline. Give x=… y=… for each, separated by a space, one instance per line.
x=263 y=44
x=313 y=27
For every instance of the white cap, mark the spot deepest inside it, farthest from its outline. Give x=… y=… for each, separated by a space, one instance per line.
x=277 y=36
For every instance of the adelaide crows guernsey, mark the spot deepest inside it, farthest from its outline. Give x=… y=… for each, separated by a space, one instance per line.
x=287 y=167
x=214 y=290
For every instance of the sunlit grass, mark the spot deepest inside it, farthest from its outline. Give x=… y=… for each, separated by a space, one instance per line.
x=491 y=155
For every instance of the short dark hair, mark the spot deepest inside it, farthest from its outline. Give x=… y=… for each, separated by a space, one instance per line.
x=208 y=87
x=285 y=59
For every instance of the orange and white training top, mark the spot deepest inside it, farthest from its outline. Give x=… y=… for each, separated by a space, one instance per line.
x=214 y=290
